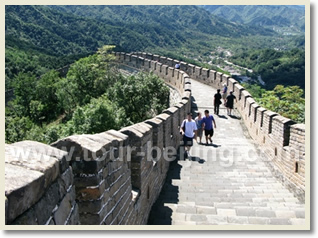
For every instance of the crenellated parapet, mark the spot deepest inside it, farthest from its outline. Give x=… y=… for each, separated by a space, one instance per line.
x=281 y=141
x=115 y=177
x=108 y=178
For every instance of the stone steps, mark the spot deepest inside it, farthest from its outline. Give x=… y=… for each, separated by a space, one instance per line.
x=205 y=190
x=229 y=213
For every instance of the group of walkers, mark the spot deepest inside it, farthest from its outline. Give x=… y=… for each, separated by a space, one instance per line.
x=194 y=128
x=191 y=129
x=228 y=100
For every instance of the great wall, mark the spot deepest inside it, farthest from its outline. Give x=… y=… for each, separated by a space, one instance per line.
x=111 y=178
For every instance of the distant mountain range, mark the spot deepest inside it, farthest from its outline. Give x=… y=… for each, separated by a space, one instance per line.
x=78 y=29
x=39 y=37
x=290 y=17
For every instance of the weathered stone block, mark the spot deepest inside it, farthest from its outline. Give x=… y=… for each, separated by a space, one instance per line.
x=254 y=108
x=281 y=132
x=186 y=95
x=94 y=206
x=44 y=208
x=187 y=80
x=120 y=136
x=84 y=147
x=40 y=148
x=231 y=83
x=238 y=90
x=88 y=168
x=65 y=181
x=225 y=79
x=219 y=76
x=197 y=71
x=23 y=188
x=27 y=218
x=74 y=217
x=91 y=192
x=29 y=158
x=171 y=110
x=187 y=87
x=64 y=209
x=245 y=95
x=191 y=69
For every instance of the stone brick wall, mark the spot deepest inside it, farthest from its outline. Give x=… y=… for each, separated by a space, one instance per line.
x=109 y=178
x=281 y=141
x=114 y=177
x=39 y=186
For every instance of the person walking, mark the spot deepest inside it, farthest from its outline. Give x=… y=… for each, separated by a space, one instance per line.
x=224 y=91
x=207 y=126
x=217 y=102
x=198 y=121
x=189 y=130
x=230 y=103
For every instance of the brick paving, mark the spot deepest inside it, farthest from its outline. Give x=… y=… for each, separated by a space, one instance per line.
x=224 y=183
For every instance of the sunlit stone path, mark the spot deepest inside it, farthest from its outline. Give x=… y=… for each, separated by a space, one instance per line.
x=224 y=183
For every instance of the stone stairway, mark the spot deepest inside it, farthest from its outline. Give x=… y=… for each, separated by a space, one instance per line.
x=224 y=183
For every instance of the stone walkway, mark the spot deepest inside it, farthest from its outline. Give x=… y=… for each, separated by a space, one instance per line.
x=224 y=183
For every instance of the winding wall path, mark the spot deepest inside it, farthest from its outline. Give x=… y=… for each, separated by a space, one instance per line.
x=226 y=182
x=98 y=179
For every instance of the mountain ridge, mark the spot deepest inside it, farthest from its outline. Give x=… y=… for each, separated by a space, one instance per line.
x=262 y=15
x=51 y=37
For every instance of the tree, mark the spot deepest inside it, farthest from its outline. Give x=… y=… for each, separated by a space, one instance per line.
x=287 y=101
x=141 y=95
x=65 y=96
x=24 y=85
x=255 y=90
x=16 y=128
x=91 y=76
x=82 y=75
x=45 y=108
x=97 y=116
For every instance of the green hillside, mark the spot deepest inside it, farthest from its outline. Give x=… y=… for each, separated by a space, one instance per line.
x=40 y=38
x=282 y=18
x=275 y=67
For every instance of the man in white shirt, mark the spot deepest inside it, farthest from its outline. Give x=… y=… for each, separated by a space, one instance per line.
x=189 y=130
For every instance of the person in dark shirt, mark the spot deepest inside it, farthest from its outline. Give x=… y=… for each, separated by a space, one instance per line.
x=230 y=102
x=217 y=102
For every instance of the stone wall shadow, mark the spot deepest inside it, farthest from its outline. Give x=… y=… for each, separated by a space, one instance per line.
x=161 y=211
x=194 y=107
x=197 y=159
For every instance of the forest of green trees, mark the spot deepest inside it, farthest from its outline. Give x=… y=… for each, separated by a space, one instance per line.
x=92 y=98
x=287 y=101
x=276 y=67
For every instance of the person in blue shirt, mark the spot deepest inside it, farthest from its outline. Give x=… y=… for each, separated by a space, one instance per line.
x=207 y=126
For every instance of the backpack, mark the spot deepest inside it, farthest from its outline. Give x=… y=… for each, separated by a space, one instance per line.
x=184 y=127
